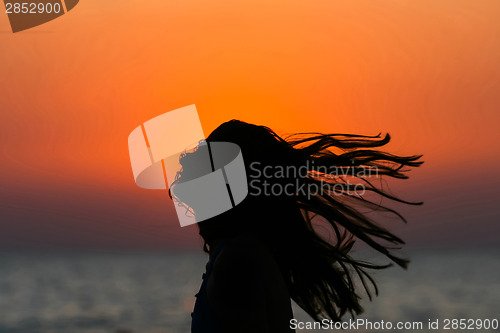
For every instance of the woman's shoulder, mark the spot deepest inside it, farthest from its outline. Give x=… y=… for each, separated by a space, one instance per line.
x=247 y=250
x=246 y=288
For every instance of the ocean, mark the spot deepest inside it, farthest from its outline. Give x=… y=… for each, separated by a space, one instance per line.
x=153 y=292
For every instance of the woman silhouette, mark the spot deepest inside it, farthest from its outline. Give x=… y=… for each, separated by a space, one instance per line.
x=268 y=249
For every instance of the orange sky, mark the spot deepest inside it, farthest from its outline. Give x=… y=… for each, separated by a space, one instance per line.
x=428 y=72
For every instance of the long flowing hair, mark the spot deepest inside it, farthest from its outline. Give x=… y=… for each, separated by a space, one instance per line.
x=320 y=271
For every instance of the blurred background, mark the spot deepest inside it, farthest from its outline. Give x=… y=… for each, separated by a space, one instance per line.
x=83 y=249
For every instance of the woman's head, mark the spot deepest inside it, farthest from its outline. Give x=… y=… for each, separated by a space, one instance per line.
x=259 y=147
x=297 y=181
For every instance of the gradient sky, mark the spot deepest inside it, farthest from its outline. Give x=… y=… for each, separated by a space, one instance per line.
x=71 y=90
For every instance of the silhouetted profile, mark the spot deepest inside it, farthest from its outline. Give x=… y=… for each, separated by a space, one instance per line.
x=265 y=251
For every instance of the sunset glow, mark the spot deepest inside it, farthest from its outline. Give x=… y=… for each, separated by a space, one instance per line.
x=427 y=72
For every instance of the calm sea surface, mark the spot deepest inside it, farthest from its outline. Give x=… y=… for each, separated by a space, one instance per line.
x=99 y=292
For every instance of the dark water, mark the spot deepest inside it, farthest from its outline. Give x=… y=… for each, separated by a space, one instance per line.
x=153 y=292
